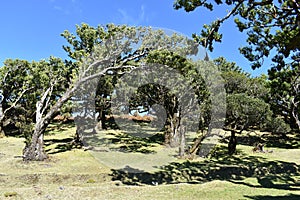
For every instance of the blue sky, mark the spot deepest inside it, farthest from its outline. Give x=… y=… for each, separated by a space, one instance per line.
x=30 y=29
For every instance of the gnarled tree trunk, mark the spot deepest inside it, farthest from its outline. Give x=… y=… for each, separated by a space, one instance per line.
x=1 y=121
x=232 y=143
x=172 y=132
x=34 y=151
x=193 y=150
x=182 y=142
x=45 y=112
x=295 y=114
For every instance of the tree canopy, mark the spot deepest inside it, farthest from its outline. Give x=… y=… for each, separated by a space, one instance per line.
x=272 y=27
x=33 y=93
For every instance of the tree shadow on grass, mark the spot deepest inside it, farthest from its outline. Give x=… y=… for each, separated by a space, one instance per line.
x=126 y=143
x=270 y=140
x=286 y=197
x=283 y=141
x=59 y=126
x=133 y=144
x=270 y=174
x=111 y=123
x=61 y=145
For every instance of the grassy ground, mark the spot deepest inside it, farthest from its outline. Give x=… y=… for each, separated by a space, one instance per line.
x=73 y=173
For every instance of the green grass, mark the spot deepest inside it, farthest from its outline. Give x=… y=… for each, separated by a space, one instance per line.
x=76 y=173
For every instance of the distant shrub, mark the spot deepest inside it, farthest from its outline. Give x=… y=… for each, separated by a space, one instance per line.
x=26 y=130
x=91 y=181
x=278 y=126
x=135 y=117
x=10 y=194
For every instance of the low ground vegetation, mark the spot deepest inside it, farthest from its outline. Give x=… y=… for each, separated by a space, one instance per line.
x=74 y=172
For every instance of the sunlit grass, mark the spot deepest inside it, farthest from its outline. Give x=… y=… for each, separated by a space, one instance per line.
x=76 y=173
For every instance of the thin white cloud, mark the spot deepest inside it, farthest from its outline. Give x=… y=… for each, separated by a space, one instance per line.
x=142 y=13
x=67 y=10
x=128 y=18
x=125 y=17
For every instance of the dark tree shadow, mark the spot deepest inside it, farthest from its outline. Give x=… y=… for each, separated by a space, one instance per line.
x=61 y=145
x=283 y=141
x=221 y=167
x=59 y=126
x=270 y=140
x=286 y=197
x=130 y=144
x=12 y=130
x=127 y=143
x=132 y=176
x=111 y=123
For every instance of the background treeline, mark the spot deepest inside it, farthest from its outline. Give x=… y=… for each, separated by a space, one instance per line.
x=33 y=93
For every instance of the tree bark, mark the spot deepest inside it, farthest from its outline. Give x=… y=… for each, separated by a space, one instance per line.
x=232 y=143
x=78 y=136
x=102 y=119
x=2 y=133
x=182 y=142
x=13 y=105
x=295 y=116
x=196 y=145
x=34 y=151
x=172 y=131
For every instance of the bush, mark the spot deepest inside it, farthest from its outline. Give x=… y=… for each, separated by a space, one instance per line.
x=91 y=181
x=278 y=126
x=10 y=194
x=26 y=130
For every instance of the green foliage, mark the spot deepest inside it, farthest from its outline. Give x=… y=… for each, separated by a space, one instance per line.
x=87 y=38
x=83 y=44
x=26 y=129
x=235 y=82
x=277 y=126
x=270 y=25
x=246 y=105
x=284 y=94
x=273 y=31
x=15 y=78
x=226 y=66
x=244 y=111
x=23 y=84
x=91 y=181
x=151 y=94
x=258 y=87
x=17 y=86
x=103 y=42
x=252 y=102
x=192 y=5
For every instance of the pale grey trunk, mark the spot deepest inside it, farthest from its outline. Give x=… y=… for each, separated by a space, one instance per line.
x=34 y=151
x=295 y=112
x=175 y=132
x=182 y=142
x=172 y=135
x=1 y=121
x=296 y=118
